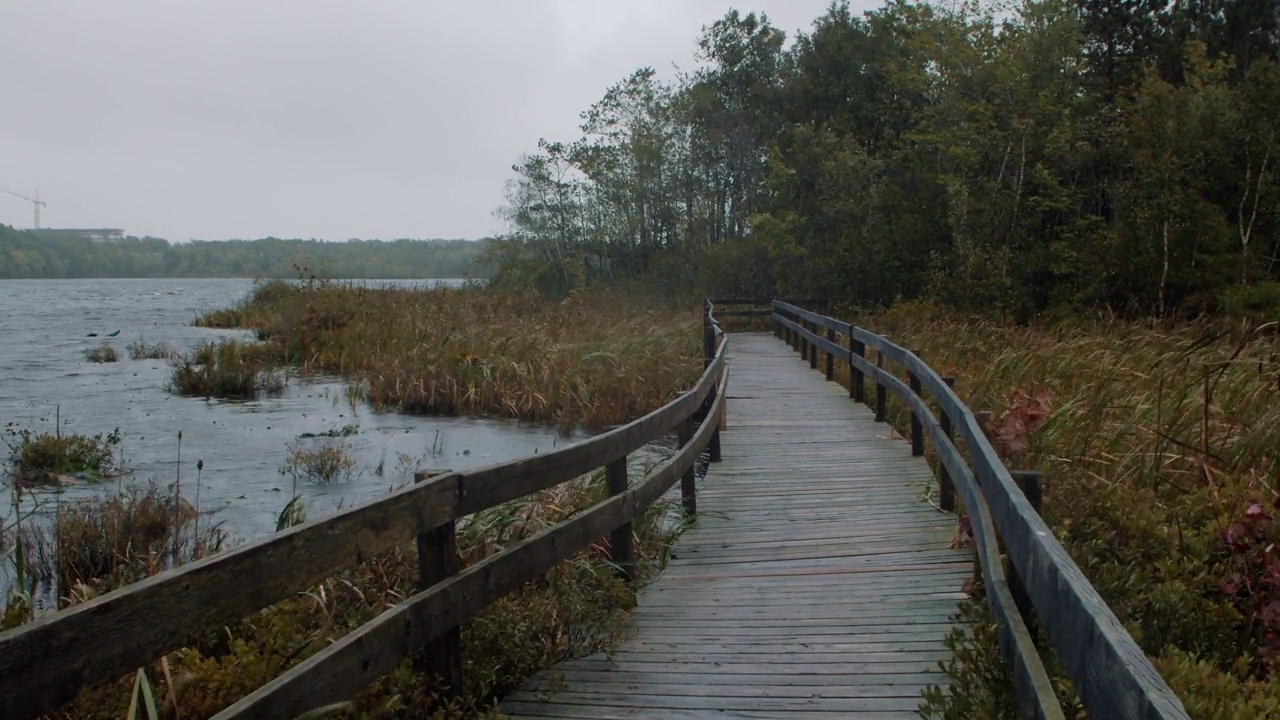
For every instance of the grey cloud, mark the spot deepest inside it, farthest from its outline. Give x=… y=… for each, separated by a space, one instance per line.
x=311 y=118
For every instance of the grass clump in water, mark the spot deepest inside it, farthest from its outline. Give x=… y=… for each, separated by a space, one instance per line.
x=321 y=460
x=141 y=350
x=593 y=359
x=228 y=369
x=103 y=353
x=50 y=458
x=91 y=546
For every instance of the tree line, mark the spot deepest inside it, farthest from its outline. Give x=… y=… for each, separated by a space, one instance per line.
x=48 y=254
x=1015 y=158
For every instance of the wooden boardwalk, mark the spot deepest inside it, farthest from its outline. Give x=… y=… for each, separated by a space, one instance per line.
x=816 y=583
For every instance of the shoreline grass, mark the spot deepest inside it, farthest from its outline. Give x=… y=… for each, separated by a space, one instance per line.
x=1160 y=447
x=230 y=370
x=593 y=359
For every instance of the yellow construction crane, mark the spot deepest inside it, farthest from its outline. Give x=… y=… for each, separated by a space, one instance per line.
x=36 y=202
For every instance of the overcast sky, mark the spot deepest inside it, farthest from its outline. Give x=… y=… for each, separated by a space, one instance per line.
x=330 y=119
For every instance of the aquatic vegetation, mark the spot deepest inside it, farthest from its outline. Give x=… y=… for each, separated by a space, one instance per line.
x=103 y=353
x=141 y=350
x=1161 y=451
x=91 y=546
x=321 y=460
x=592 y=359
x=49 y=458
x=228 y=369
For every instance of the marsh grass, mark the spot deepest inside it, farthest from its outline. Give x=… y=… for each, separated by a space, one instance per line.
x=49 y=458
x=320 y=460
x=103 y=353
x=229 y=369
x=572 y=611
x=1161 y=452
x=91 y=546
x=592 y=359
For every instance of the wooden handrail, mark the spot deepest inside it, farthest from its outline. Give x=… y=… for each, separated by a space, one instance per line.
x=45 y=663
x=1113 y=676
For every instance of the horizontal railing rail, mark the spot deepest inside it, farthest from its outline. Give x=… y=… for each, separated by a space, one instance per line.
x=1039 y=584
x=45 y=663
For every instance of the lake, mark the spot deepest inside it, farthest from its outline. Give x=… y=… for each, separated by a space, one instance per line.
x=45 y=327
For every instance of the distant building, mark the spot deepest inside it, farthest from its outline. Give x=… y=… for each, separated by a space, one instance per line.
x=87 y=233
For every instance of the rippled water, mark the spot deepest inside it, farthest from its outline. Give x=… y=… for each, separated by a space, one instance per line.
x=44 y=330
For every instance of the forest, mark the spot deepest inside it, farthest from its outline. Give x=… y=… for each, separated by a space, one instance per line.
x=24 y=254
x=1015 y=159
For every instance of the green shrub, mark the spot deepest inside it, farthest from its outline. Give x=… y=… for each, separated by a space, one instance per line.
x=321 y=460
x=1260 y=301
x=41 y=458
x=228 y=369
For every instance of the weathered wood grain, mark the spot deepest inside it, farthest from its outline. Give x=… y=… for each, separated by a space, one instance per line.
x=813 y=564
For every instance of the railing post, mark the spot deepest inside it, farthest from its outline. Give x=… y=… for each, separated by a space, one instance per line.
x=621 y=541
x=947 y=487
x=1031 y=484
x=713 y=445
x=804 y=340
x=441 y=659
x=917 y=427
x=708 y=338
x=813 y=347
x=880 y=389
x=831 y=359
x=857 y=381
x=688 y=491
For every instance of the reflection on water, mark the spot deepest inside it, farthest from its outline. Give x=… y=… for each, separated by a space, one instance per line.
x=44 y=330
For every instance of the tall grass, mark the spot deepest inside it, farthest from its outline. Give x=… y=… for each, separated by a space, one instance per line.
x=573 y=610
x=593 y=359
x=91 y=546
x=228 y=369
x=1161 y=452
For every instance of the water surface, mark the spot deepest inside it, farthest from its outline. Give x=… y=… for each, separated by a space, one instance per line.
x=44 y=331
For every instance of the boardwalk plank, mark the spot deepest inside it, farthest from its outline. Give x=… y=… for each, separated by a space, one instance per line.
x=816 y=584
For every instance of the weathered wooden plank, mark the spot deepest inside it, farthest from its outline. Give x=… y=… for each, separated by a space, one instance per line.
x=699 y=681
x=646 y=701
x=679 y=686
x=845 y=554
x=625 y=712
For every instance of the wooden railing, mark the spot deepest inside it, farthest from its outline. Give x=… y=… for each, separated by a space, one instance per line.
x=1110 y=672
x=47 y=662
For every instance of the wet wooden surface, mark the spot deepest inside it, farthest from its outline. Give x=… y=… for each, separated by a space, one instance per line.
x=816 y=583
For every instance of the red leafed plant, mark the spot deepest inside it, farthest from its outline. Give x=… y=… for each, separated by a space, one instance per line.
x=1254 y=578
x=1025 y=413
